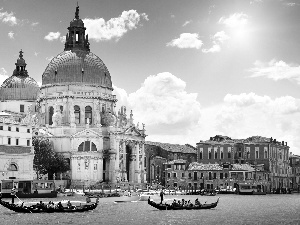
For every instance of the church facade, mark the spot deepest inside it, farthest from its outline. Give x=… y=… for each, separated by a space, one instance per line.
x=76 y=110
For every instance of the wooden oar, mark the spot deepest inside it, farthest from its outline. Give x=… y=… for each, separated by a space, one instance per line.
x=22 y=202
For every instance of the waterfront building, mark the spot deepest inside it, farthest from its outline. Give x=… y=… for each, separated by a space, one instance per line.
x=76 y=111
x=158 y=153
x=175 y=173
x=18 y=94
x=295 y=171
x=16 y=150
x=256 y=150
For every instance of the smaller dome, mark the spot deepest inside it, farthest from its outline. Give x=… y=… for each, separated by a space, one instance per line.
x=19 y=86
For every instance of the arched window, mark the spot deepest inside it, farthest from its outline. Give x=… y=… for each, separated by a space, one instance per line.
x=61 y=109
x=13 y=167
x=88 y=114
x=77 y=114
x=87 y=146
x=51 y=112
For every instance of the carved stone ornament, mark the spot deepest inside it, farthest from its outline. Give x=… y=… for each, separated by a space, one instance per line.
x=108 y=119
x=86 y=163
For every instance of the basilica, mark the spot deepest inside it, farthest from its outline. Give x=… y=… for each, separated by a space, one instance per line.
x=76 y=110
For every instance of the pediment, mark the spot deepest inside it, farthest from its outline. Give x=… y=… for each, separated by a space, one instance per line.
x=132 y=131
x=86 y=133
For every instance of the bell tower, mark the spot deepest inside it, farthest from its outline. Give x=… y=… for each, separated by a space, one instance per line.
x=76 y=38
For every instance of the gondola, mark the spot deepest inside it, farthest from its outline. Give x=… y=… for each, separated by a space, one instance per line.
x=37 y=209
x=172 y=207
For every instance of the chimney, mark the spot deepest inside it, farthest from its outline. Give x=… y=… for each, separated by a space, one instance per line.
x=282 y=142
x=271 y=139
x=274 y=141
x=286 y=143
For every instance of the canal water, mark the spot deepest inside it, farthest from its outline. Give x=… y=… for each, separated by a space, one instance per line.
x=232 y=209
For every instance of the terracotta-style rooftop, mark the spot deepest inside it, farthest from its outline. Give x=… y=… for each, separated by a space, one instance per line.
x=173 y=147
x=176 y=161
x=204 y=167
x=14 y=149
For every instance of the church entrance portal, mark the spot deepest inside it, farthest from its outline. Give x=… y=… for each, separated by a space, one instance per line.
x=129 y=163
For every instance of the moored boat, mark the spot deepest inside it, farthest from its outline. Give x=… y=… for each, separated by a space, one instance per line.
x=166 y=206
x=251 y=189
x=29 y=188
x=38 y=208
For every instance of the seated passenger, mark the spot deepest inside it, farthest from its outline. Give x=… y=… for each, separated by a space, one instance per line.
x=197 y=202
x=59 y=205
x=69 y=205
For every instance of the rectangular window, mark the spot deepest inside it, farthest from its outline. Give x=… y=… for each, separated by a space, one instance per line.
x=1 y=127
x=226 y=175
x=28 y=142
x=201 y=175
x=175 y=184
x=8 y=141
x=229 y=152
x=17 y=141
x=21 y=108
x=183 y=167
x=190 y=175
x=17 y=129
x=195 y=175
x=95 y=166
x=169 y=175
x=182 y=175
x=215 y=175
x=169 y=166
x=256 y=152
x=9 y=128
x=174 y=175
x=222 y=155
x=28 y=130
x=221 y=175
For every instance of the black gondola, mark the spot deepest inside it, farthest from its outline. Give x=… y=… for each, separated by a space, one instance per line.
x=175 y=207
x=38 y=209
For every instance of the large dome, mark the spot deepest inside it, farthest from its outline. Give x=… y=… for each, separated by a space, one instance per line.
x=19 y=86
x=77 y=66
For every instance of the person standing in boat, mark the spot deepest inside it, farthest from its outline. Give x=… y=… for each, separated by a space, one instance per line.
x=13 y=193
x=161 y=196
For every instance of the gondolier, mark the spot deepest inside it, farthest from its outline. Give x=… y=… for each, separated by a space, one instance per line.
x=13 y=193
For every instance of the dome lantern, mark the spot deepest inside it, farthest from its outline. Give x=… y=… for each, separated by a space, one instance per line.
x=76 y=38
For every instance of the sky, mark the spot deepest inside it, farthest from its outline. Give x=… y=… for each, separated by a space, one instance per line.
x=188 y=70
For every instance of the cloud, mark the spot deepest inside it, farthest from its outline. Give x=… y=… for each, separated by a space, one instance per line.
x=163 y=104
x=276 y=70
x=49 y=58
x=218 y=39
x=186 y=23
x=215 y=48
x=52 y=36
x=8 y=18
x=234 y=20
x=62 y=39
x=186 y=40
x=34 y=24
x=36 y=53
x=11 y=34
x=3 y=75
x=99 y=30
x=244 y=115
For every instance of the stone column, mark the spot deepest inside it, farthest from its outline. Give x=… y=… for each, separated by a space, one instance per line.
x=137 y=163
x=101 y=166
x=82 y=115
x=117 y=166
x=124 y=162
x=112 y=161
x=143 y=165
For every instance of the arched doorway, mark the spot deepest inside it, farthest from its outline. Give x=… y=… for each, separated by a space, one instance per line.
x=51 y=112
x=129 y=163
